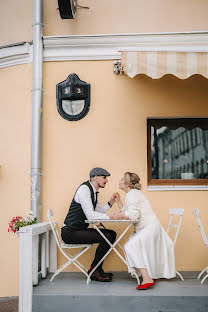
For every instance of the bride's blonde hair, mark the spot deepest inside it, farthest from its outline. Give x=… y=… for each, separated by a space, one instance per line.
x=132 y=180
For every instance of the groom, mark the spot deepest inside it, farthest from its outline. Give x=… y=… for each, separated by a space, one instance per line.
x=85 y=206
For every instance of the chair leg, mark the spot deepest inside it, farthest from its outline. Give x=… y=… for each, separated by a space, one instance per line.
x=77 y=263
x=81 y=265
x=180 y=275
x=134 y=274
x=200 y=274
x=204 y=278
x=61 y=269
x=70 y=261
x=82 y=270
x=67 y=264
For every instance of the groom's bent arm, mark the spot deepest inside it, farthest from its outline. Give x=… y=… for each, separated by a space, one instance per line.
x=84 y=199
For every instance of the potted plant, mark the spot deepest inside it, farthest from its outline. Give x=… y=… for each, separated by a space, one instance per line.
x=17 y=222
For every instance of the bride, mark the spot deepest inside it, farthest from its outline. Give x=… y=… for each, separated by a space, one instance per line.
x=149 y=249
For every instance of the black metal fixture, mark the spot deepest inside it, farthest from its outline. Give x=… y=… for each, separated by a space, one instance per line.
x=73 y=98
x=67 y=8
x=118 y=68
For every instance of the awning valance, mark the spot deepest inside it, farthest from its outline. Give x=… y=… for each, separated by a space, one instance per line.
x=156 y=64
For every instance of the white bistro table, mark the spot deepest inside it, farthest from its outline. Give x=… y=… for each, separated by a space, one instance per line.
x=95 y=224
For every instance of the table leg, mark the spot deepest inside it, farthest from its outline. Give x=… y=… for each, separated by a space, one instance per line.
x=112 y=247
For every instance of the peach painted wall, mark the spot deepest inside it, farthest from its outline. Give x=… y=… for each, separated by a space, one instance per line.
x=115 y=125
x=15 y=133
x=113 y=136
x=118 y=16
x=135 y=16
x=16 y=19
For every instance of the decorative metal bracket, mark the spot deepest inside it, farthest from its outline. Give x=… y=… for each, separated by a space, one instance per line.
x=118 y=68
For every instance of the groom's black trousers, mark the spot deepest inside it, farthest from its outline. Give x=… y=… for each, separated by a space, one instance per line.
x=90 y=236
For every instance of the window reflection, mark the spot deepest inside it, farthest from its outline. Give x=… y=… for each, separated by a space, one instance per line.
x=179 y=153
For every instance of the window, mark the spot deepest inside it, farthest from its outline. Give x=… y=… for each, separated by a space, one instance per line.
x=177 y=151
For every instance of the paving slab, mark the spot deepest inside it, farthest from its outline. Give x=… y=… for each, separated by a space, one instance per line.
x=8 y=304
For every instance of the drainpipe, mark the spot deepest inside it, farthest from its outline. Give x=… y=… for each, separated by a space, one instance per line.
x=36 y=109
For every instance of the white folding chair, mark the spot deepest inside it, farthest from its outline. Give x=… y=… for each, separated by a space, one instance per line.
x=176 y=212
x=63 y=248
x=198 y=220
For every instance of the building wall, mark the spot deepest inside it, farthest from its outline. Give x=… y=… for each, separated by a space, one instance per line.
x=112 y=135
x=16 y=19
x=15 y=138
x=103 y=17
x=135 y=16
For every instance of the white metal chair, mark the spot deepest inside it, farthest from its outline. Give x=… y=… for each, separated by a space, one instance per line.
x=63 y=248
x=198 y=220
x=176 y=212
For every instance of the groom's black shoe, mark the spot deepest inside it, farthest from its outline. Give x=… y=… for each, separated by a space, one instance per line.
x=106 y=273
x=99 y=277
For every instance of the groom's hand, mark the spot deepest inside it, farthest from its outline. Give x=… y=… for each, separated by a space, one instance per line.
x=114 y=198
x=117 y=196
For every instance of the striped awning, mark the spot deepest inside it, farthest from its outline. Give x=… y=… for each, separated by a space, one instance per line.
x=156 y=64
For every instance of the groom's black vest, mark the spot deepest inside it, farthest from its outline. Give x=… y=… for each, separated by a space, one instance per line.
x=75 y=219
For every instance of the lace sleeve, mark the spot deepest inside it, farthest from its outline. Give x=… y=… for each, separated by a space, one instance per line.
x=132 y=207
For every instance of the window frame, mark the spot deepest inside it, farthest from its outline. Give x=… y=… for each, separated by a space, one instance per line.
x=178 y=120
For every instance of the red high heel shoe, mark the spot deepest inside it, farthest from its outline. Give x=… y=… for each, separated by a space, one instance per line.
x=144 y=286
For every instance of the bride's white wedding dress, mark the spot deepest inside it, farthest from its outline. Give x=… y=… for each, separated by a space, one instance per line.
x=149 y=246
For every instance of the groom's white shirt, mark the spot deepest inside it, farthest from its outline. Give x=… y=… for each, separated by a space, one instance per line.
x=83 y=197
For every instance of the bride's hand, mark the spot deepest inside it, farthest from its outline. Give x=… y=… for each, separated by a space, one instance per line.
x=110 y=215
x=118 y=215
x=117 y=196
x=114 y=215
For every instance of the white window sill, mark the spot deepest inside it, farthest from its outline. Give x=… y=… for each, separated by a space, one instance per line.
x=177 y=188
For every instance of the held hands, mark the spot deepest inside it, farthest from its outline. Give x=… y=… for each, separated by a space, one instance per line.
x=114 y=198
x=118 y=215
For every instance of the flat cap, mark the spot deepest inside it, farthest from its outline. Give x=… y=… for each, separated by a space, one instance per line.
x=99 y=172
